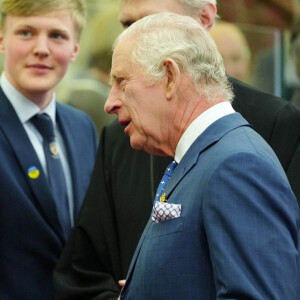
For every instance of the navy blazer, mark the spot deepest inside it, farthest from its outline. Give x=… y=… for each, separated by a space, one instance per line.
x=30 y=235
x=238 y=233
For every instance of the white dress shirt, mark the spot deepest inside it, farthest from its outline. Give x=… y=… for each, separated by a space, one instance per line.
x=198 y=126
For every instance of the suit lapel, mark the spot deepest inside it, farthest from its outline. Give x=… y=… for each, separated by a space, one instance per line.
x=208 y=138
x=136 y=255
x=26 y=157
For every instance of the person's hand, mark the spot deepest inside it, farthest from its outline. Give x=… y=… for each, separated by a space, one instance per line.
x=121 y=284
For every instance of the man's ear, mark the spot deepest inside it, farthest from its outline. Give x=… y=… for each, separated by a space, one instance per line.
x=172 y=80
x=207 y=15
x=75 y=51
x=1 y=41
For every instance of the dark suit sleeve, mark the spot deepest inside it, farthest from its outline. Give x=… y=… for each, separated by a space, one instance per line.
x=89 y=267
x=286 y=143
x=293 y=173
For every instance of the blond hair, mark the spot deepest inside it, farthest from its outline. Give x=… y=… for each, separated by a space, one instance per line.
x=76 y=8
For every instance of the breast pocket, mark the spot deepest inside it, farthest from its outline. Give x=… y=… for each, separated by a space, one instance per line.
x=165 y=228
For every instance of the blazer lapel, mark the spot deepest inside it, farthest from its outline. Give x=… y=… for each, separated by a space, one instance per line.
x=209 y=137
x=26 y=156
x=136 y=255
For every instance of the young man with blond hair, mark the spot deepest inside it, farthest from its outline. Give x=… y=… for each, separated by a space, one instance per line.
x=47 y=148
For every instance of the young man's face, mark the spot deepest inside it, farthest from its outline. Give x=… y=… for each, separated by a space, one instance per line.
x=37 y=51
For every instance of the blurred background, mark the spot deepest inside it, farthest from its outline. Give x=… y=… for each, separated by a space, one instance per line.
x=266 y=26
x=258 y=40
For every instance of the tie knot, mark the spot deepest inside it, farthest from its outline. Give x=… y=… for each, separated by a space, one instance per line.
x=44 y=125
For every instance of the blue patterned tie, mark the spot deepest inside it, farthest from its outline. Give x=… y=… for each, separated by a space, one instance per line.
x=169 y=170
x=56 y=178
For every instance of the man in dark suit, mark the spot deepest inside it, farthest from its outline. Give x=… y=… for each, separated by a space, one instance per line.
x=120 y=197
x=38 y=40
x=228 y=199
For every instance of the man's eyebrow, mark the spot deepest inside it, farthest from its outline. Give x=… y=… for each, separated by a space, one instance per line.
x=113 y=74
x=111 y=80
x=127 y=20
x=124 y=21
x=25 y=25
x=113 y=77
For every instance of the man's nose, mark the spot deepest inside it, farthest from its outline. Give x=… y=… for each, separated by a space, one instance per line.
x=42 y=46
x=113 y=102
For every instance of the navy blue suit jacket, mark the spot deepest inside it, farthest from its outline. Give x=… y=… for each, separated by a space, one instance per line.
x=121 y=193
x=238 y=233
x=30 y=237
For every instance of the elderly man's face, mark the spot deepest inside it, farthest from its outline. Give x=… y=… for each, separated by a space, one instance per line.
x=140 y=107
x=133 y=10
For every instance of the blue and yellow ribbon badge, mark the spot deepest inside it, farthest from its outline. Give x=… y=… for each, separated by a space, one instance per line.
x=33 y=172
x=163 y=198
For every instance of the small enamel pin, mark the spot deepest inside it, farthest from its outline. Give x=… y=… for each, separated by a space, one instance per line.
x=163 y=198
x=54 y=150
x=33 y=172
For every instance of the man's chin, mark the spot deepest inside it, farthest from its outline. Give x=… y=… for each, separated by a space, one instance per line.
x=135 y=144
x=142 y=146
x=138 y=143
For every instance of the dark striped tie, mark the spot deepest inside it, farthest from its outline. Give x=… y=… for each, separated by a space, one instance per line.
x=56 y=178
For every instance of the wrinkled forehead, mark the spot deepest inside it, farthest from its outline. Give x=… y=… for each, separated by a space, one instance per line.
x=133 y=10
x=122 y=51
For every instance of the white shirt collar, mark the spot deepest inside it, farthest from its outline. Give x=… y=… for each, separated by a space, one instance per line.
x=198 y=126
x=25 y=108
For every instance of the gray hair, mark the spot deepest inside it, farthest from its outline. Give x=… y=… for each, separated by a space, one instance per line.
x=184 y=40
x=192 y=6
